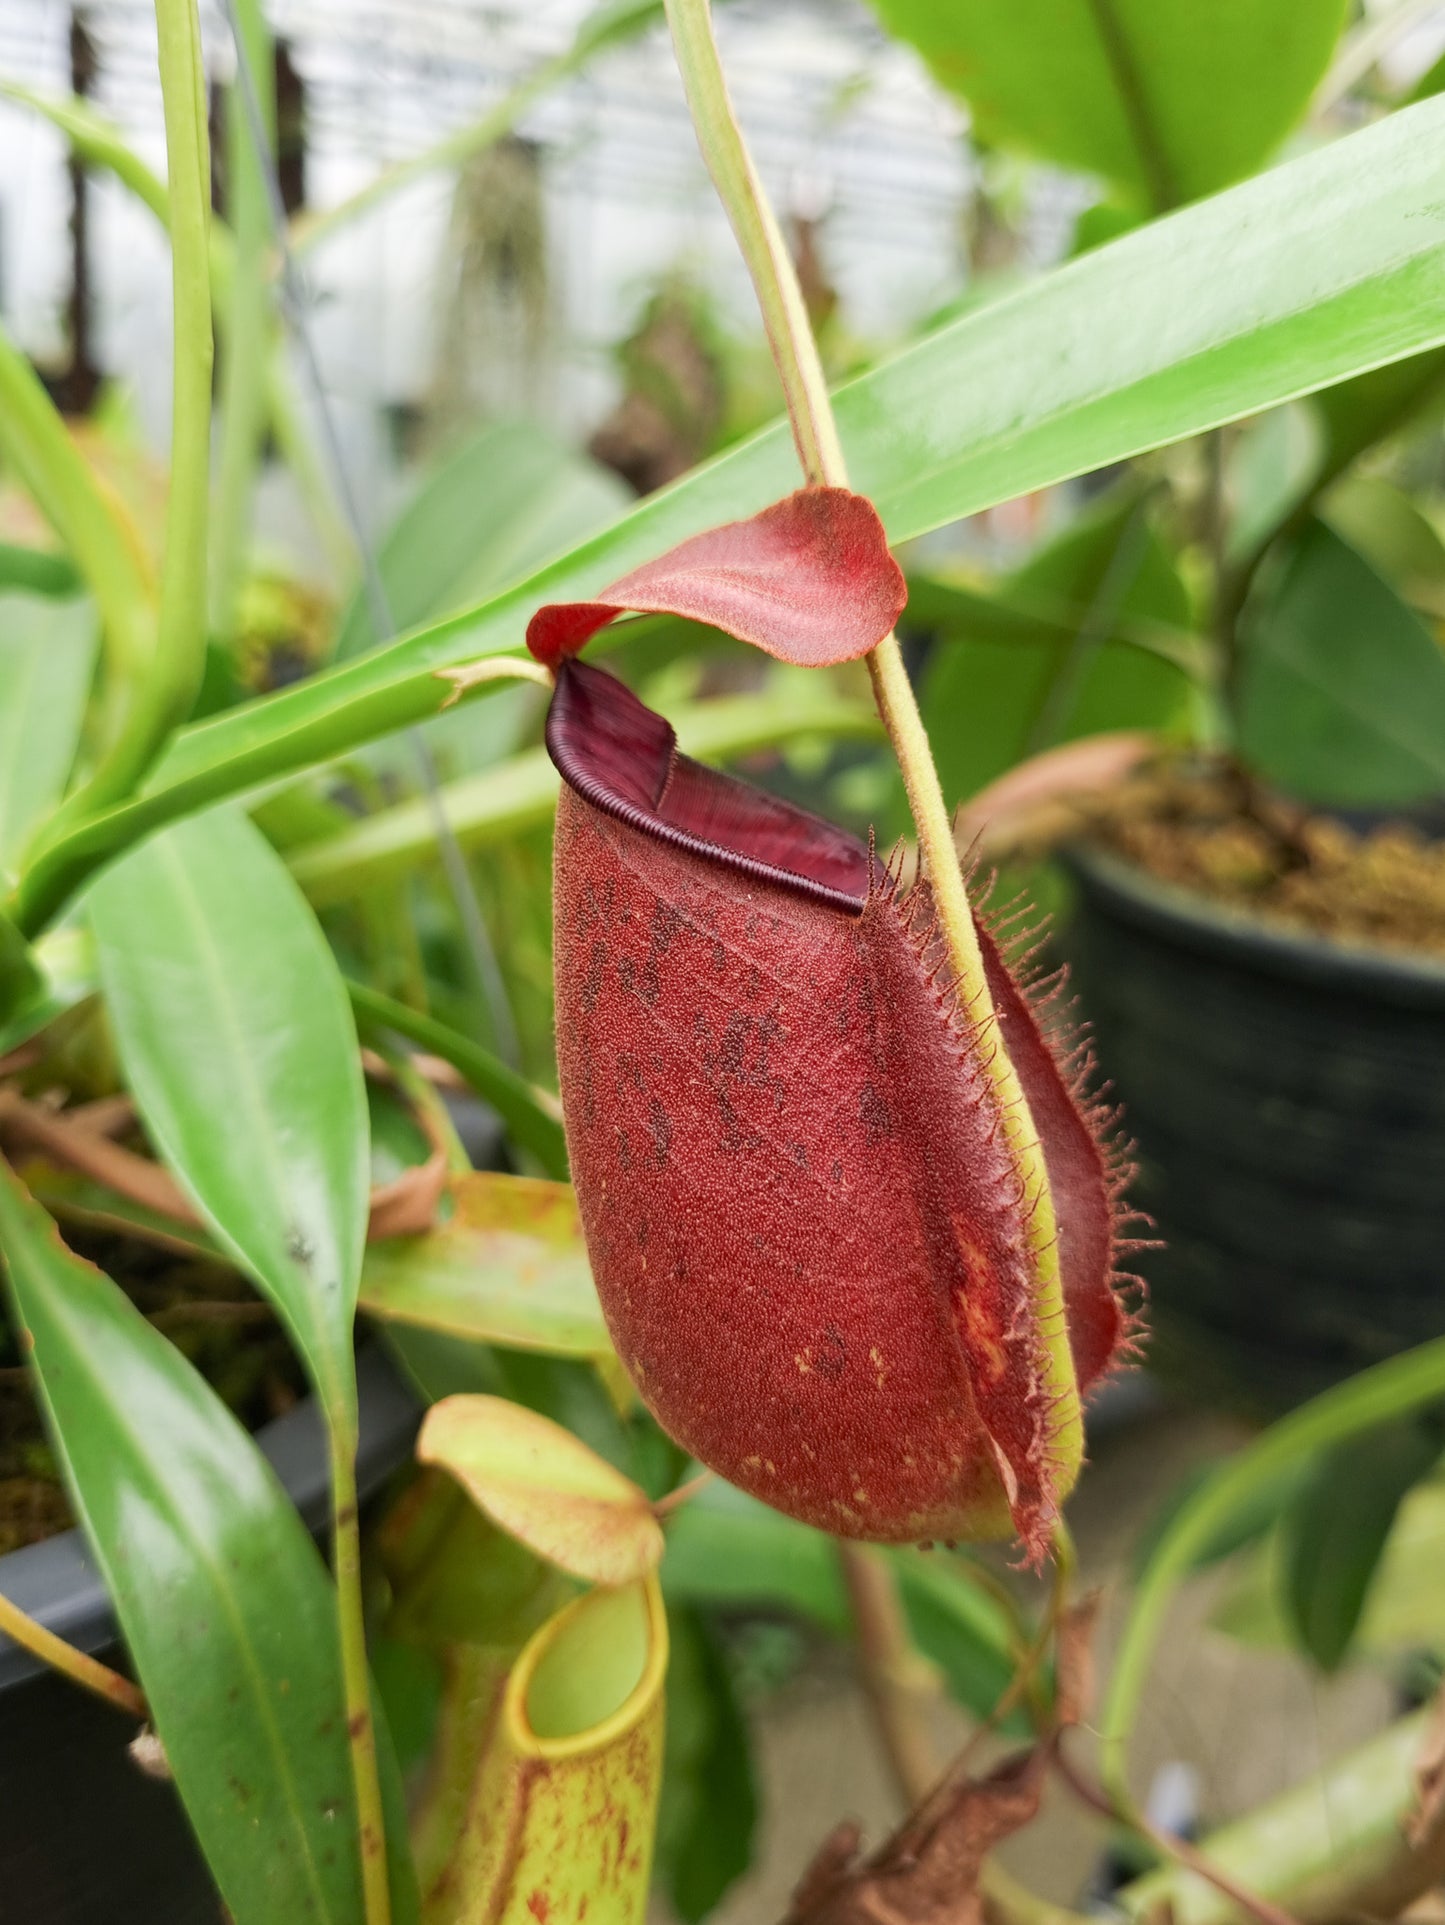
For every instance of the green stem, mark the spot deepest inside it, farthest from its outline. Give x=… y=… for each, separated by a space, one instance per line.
x=1119 y=55
x=1391 y=1389
x=356 y=1672
x=249 y=334
x=53 y=472
x=163 y=694
x=810 y=411
x=529 y=1115
x=89 y=1673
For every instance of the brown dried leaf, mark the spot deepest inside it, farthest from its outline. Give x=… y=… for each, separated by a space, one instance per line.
x=927 y=1873
x=407 y=1206
x=1428 y=1817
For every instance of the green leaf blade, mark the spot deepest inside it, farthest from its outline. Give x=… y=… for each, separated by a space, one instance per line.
x=1164 y=99
x=1343 y=692
x=223 y=1600
x=236 y=1034
x=1335 y=1532
x=504 y=502
x=47 y=652
x=1053 y=654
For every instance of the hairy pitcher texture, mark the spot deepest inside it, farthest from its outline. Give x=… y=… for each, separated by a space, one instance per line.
x=805 y=1221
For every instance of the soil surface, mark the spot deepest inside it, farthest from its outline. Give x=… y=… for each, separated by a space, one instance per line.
x=1208 y=828
x=205 y=1310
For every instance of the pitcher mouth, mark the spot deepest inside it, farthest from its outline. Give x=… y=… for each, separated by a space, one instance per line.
x=624 y=759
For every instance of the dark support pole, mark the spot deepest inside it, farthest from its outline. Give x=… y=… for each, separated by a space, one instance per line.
x=75 y=389
x=290 y=131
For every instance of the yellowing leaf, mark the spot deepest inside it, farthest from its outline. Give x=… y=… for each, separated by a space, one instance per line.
x=544 y=1486
x=561 y=1814
x=507 y=1267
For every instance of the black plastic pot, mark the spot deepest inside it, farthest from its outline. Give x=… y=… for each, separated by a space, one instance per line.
x=1287 y=1095
x=85 y=1837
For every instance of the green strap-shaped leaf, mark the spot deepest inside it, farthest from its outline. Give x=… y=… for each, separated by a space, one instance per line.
x=236 y=1035
x=47 y=652
x=533 y=1120
x=1166 y=99
x=225 y=1605
x=1313 y=272
x=1000 y=686
x=1336 y=1530
x=1343 y=691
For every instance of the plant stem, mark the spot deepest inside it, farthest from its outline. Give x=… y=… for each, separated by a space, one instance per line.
x=1172 y=1849
x=78 y=1666
x=356 y=1672
x=891 y=1669
x=810 y=412
x=249 y=335
x=167 y=685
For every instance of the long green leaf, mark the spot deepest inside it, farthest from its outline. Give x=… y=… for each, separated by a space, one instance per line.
x=1343 y=691
x=47 y=652
x=1318 y=270
x=1165 y=99
x=224 y=1603
x=999 y=687
x=532 y=1119
x=237 y=1040
x=1335 y=1532
x=97 y=140
x=725 y=1548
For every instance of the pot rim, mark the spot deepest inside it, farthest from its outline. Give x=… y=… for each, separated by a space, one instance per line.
x=1193 y=922
x=56 y=1581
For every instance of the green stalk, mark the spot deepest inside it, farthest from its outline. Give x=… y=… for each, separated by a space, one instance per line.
x=48 y=464
x=82 y=1669
x=355 y=1671
x=249 y=330
x=165 y=690
x=1387 y=1390
x=809 y=409
x=95 y=139
x=532 y=1116
x=1331 y=1848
